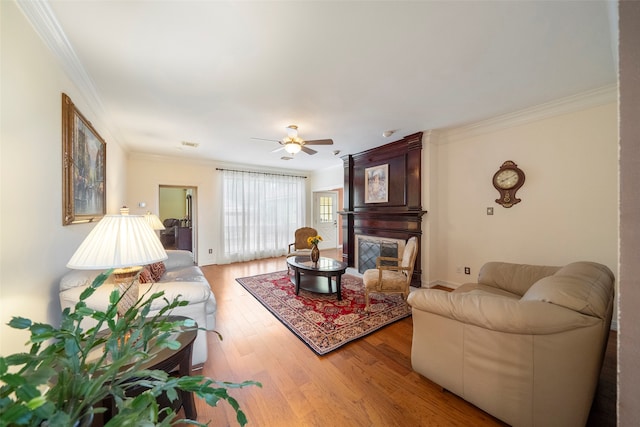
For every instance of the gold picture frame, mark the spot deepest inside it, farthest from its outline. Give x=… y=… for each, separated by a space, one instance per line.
x=84 y=168
x=376 y=184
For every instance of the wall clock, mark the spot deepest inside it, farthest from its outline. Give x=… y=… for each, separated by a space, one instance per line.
x=507 y=180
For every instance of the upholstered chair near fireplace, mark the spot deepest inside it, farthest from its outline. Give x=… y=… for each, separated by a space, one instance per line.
x=391 y=275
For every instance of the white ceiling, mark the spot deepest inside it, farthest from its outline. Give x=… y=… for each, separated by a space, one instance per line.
x=219 y=73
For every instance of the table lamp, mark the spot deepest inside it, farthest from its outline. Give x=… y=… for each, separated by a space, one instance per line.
x=123 y=242
x=154 y=221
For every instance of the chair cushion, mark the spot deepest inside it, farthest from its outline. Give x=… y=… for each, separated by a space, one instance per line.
x=581 y=286
x=78 y=278
x=184 y=274
x=195 y=292
x=514 y=278
x=478 y=288
x=392 y=280
x=178 y=258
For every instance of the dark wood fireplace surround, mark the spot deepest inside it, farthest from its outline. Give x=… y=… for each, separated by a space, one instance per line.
x=401 y=216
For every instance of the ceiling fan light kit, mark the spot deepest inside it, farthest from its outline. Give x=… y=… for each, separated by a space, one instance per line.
x=292 y=131
x=292 y=147
x=293 y=144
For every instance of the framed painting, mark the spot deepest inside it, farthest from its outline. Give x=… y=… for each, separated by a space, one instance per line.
x=84 y=157
x=376 y=184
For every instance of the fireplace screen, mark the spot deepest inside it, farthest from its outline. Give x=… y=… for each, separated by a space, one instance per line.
x=369 y=250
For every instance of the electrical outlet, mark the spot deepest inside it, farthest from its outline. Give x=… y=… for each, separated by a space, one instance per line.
x=467 y=270
x=489 y=211
x=210 y=251
x=459 y=270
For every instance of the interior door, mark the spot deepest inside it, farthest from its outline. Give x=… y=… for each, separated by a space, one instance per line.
x=325 y=218
x=179 y=203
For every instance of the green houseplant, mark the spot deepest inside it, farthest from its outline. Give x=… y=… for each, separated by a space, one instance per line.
x=68 y=371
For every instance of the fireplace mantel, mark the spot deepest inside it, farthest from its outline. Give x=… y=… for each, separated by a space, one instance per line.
x=400 y=217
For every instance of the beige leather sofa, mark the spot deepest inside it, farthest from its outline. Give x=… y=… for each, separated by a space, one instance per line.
x=525 y=343
x=181 y=278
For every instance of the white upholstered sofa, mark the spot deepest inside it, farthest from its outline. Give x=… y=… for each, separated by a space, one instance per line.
x=181 y=277
x=525 y=343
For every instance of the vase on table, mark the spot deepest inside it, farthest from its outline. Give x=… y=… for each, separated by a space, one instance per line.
x=315 y=254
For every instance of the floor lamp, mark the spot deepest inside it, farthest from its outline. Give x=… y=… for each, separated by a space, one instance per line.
x=125 y=243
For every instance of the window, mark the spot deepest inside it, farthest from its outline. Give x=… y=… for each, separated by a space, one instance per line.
x=326 y=209
x=260 y=213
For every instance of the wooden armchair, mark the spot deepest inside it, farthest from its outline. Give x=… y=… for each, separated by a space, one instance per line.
x=391 y=278
x=300 y=246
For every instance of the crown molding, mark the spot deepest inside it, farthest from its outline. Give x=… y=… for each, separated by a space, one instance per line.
x=212 y=163
x=46 y=25
x=581 y=101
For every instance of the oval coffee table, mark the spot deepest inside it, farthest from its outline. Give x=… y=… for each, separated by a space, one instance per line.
x=309 y=275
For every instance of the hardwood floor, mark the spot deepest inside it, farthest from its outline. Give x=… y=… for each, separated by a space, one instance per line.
x=368 y=382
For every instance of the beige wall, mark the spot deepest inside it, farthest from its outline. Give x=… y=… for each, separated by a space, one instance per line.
x=569 y=200
x=328 y=179
x=568 y=151
x=34 y=246
x=148 y=172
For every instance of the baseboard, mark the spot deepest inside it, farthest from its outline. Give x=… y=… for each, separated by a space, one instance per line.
x=353 y=272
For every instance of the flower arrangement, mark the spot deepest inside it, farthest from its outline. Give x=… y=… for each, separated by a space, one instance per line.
x=314 y=240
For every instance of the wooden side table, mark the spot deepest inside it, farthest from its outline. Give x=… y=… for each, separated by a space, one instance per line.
x=170 y=361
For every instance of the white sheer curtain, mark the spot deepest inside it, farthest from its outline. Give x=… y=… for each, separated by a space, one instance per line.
x=260 y=213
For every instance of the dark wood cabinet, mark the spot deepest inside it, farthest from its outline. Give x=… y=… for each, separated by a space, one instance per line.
x=184 y=239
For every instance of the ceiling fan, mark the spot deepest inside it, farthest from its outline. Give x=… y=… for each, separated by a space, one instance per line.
x=293 y=144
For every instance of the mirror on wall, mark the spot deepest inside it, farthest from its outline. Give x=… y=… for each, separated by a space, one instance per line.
x=177 y=207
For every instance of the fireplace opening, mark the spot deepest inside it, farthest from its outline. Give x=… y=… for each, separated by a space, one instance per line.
x=369 y=248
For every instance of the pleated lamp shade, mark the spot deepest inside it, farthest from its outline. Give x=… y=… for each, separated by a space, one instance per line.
x=118 y=241
x=154 y=221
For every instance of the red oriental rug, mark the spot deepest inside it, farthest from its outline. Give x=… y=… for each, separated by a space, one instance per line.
x=320 y=320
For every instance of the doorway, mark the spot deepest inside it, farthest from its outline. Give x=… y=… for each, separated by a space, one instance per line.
x=177 y=205
x=325 y=218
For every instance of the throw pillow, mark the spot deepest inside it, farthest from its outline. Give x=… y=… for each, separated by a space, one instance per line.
x=157 y=269
x=145 y=275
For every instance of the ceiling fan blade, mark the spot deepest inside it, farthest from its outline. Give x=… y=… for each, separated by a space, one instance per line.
x=264 y=139
x=286 y=158
x=278 y=149
x=308 y=150
x=319 y=142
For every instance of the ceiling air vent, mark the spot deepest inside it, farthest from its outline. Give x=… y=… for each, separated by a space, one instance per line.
x=190 y=144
